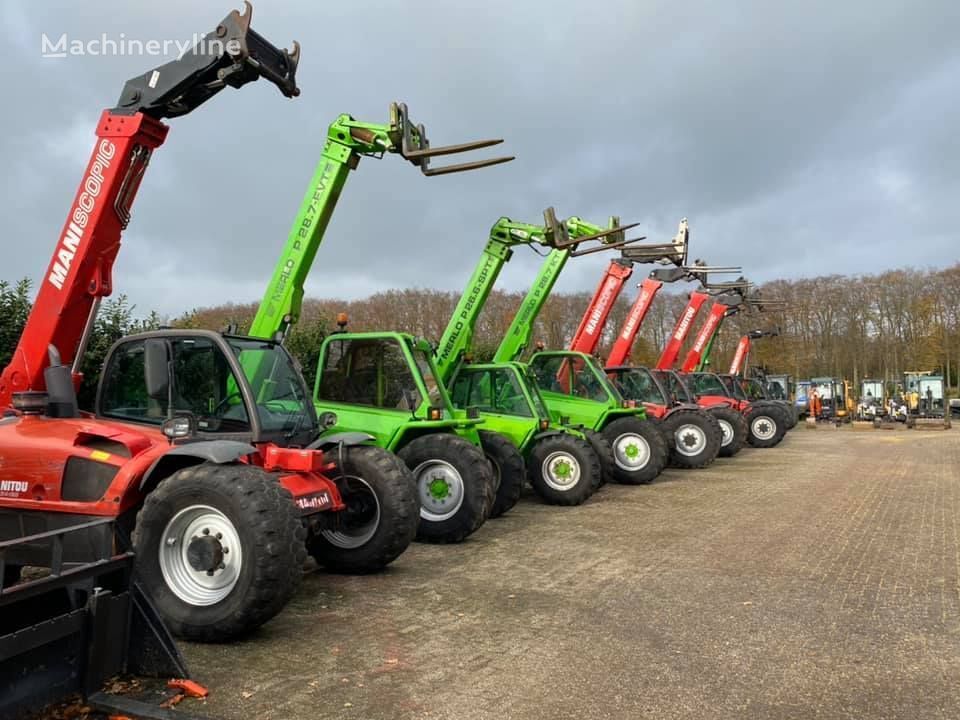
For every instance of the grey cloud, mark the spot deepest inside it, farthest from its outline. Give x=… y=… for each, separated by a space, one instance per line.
x=798 y=138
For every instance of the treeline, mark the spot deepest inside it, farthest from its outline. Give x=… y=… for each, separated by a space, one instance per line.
x=853 y=327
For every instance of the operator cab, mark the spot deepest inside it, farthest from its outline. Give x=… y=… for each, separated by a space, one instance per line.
x=500 y=389
x=640 y=384
x=389 y=371
x=574 y=374
x=204 y=385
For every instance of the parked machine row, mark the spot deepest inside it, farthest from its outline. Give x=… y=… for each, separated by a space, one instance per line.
x=208 y=457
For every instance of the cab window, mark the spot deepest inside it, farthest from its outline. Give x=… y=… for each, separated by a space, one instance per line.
x=640 y=386
x=493 y=390
x=368 y=372
x=569 y=375
x=203 y=385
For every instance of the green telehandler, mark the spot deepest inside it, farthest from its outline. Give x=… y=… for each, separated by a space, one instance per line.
x=563 y=463
x=575 y=387
x=381 y=389
x=554 y=475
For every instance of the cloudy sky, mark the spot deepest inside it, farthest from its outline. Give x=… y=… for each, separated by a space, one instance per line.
x=798 y=138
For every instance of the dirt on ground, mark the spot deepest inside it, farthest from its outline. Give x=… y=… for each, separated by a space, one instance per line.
x=820 y=578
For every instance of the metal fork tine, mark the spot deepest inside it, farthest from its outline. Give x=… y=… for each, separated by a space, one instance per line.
x=606 y=233
x=450 y=149
x=463 y=167
x=604 y=248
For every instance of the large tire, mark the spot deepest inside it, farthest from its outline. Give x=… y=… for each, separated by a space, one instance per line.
x=509 y=470
x=564 y=469
x=789 y=414
x=382 y=513
x=733 y=427
x=11 y=575
x=239 y=521
x=766 y=426
x=639 y=451
x=693 y=438
x=604 y=450
x=455 y=486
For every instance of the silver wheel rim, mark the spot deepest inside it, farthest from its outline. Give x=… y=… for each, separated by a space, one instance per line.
x=440 y=489
x=351 y=536
x=200 y=587
x=763 y=427
x=560 y=470
x=690 y=440
x=727 y=429
x=631 y=452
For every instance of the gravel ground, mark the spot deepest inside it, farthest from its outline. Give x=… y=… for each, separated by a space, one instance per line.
x=820 y=578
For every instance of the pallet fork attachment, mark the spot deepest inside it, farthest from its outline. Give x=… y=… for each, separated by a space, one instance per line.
x=410 y=141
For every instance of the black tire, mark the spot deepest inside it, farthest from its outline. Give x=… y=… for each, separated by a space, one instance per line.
x=271 y=535
x=564 y=451
x=604 y=450
x=693 y=438
x=766 y=426
x=381 y=518
x=634 y=434
x=463 y=470
x=789 y=414
x=733 y=427
x=509 y=470
x=11 y=575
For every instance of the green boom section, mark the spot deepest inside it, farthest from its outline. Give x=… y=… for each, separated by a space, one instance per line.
x=518 y=335
x=455 y=343
x=347 y=141
x=283 y=300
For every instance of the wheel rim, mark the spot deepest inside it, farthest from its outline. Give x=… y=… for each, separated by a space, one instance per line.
x=690 y=440
x=359 y=522
x=763 y=427
x=560 y=470
x=631 y=451
x=440 y=488
x=200 y=555
x=726 y=428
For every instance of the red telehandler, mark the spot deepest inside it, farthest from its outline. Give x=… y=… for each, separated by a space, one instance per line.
x=693 y=435
x=755 y=385
x=661 y=386
x=209 y=469
x=767 y=421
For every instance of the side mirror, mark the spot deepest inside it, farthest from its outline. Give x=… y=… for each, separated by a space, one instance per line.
x=156 y=368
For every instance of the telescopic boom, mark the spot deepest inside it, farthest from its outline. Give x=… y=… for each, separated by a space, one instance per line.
x=80 y=272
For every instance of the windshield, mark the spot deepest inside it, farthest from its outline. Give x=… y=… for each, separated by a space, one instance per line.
x=576 y=375
x=676 y=386
x=734 y=388
x=754 y=389
x=435 y=391
x=377 y=373
x=777 y=388
x=638 y=384
x=539 y=405
x=707 y=384
x=491 y=390
x=282 y=401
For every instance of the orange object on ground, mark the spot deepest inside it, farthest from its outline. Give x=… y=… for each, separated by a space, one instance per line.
x=188 y=688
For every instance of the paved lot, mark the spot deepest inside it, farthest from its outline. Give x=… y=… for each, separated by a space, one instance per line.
x=817 y=579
